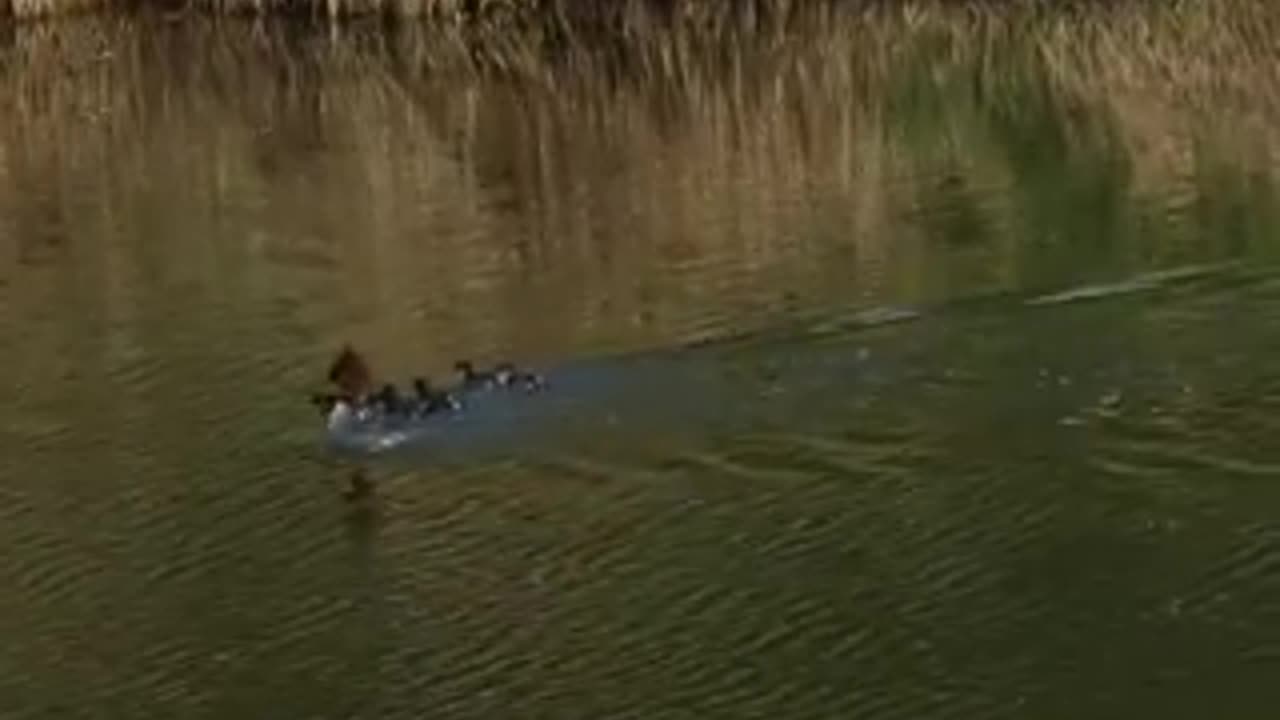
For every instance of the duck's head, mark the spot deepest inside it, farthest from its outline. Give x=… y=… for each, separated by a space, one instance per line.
x=465 y=367
x=350 y=373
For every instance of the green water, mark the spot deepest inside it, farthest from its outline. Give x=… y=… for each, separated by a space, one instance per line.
x=1052 y=490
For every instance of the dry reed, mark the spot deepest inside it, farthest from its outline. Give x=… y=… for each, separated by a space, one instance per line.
x=769 y=145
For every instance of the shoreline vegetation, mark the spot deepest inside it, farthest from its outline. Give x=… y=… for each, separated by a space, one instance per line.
x=1192 y=47
x=786 y=145
x=709 y=15
x=1190 y=44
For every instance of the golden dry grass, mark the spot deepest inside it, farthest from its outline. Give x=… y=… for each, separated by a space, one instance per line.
x=48 y=8
x=437 y=9
x=772 y=148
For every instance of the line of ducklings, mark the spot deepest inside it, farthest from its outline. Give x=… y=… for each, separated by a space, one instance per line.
x=426 y=399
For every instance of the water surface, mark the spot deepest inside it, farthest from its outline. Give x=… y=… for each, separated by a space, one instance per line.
x=948 y=393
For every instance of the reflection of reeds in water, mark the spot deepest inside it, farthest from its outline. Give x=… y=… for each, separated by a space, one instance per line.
x=470 y=187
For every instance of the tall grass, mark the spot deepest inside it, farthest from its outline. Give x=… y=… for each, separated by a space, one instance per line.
x=437 y=9
x=742 y=155
x=46 y=8
x=341 y=8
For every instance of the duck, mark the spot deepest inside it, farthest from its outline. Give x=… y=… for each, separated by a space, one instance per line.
x=350 y=373
x=506 y=374
x=353 y=402
x=473 y=378
x=432 y=400
x=389 y=401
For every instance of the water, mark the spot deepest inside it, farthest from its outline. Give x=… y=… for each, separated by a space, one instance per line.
x=941 y=403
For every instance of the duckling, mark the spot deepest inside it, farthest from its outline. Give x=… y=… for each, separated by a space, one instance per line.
x=473 y=378
x=431 y=400
x=388 y=400
x=507 y=375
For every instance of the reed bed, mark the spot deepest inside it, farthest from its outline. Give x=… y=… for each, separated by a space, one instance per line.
x=784 y=149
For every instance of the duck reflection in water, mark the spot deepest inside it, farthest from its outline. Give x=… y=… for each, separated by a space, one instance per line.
x=360 y=489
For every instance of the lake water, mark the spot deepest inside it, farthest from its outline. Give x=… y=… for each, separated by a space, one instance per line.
x=993 y=432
